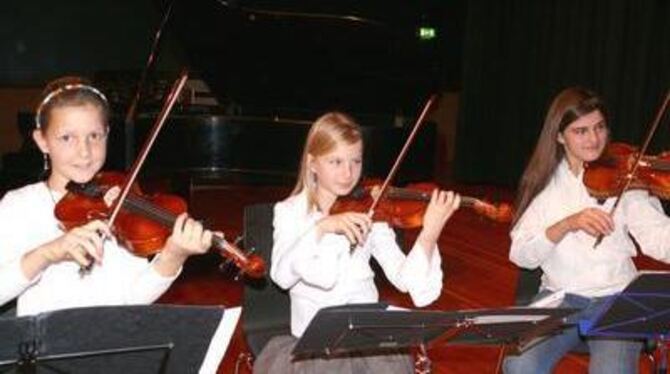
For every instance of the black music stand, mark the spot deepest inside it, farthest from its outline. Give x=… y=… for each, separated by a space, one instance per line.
x=640 y=312
x=370 y=328
x=111 y=339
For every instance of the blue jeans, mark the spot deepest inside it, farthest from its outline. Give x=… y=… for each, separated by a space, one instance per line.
x=606 y=355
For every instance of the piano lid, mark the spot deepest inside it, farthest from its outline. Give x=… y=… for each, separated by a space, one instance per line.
x=302 y=57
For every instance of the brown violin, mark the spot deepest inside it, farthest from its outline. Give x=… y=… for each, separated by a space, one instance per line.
x=144 y=222
x=404 y=207
x=607 y=176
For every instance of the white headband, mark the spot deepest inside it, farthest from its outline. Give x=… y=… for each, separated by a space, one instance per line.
x=58 y=91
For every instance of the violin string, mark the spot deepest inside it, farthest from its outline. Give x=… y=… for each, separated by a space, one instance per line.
x=424 y=196
x=167 y=218
x=160 y=214
x=660 y=165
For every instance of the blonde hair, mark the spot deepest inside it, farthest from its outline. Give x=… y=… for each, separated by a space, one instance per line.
x=326 y=133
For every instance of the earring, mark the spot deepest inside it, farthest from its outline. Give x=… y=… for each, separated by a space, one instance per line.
x=45 y=157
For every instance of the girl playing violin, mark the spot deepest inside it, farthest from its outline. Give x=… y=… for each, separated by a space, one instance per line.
x=556 y=226
x=312 y=255
x=39 y=263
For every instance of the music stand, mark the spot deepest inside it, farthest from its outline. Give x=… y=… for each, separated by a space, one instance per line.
x=342 y=330
x=641 y=312
x=110 y=339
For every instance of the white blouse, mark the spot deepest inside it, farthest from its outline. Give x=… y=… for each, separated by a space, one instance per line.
x=573 y=265
x=322 y=273
x=26 y=222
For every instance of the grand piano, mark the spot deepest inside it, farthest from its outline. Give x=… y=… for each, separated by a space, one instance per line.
x=268 y=73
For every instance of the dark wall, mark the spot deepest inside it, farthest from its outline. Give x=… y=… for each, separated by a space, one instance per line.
x=41 y=40
x=262 y=55
x=519 y=53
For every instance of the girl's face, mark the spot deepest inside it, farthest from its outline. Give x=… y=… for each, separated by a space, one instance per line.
x=76 y=142
x=584 y=139
x=337 y=171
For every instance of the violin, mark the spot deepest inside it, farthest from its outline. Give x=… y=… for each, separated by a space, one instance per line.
x=607 y=176
x=404 y=207
x=143 y=223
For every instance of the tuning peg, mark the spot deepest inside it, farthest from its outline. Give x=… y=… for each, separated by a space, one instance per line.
x=227 y=267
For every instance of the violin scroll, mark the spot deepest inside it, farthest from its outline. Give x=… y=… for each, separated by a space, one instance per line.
x=607 y=176
x=502 y=212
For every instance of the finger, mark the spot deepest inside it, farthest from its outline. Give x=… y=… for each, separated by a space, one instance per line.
x=352 y=229
x=433 y=197
x=599 y=225
x=99 y=227
x=447 y=198
x=602 y=216
x=91 y=236
x=601 y=220
x=595 y=229
x=586 y=227
x=188 y=231
x=456 y=203
x=367 y=219
x=91 y=246
x=179 y=223
x=196 y=232
x=111 y=195
x=206 y=239
x=363 y=222
x=606 y=220
x=79 y=256
x=350 y=235
x=356 y=232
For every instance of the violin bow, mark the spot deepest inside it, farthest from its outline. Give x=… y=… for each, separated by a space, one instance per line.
x=132 y=108
x=139 y=161
x=402 y=154
x=171 y=99
x=638 y=157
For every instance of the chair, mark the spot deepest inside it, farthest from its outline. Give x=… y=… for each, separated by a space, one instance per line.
x=8 y=310
x=266 y=308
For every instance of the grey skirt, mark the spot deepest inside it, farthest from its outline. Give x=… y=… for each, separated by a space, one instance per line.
x=276 y=358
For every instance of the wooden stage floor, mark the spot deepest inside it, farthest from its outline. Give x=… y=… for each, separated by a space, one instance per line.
x=477 y=273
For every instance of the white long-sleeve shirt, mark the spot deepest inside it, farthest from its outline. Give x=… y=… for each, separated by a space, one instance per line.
x=26 y=222
x=573 y=265
x=322 y=273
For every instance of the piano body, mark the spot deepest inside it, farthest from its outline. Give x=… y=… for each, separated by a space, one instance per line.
x=270 y=73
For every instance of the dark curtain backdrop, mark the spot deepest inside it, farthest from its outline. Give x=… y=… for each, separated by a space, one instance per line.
x=519 y=53
x=41 y=40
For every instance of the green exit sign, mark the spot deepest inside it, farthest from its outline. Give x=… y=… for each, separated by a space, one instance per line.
x=427 y=33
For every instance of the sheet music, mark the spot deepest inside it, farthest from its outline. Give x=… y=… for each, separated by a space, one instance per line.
x=219 y=343
x=392 y=308
x=480 y=320
x=553 y=300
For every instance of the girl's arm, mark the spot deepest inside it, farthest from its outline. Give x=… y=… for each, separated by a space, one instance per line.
x=301 y=252
x=648 y=223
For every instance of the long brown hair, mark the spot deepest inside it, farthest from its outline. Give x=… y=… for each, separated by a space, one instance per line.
x=568 y=106
x=326 y=132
